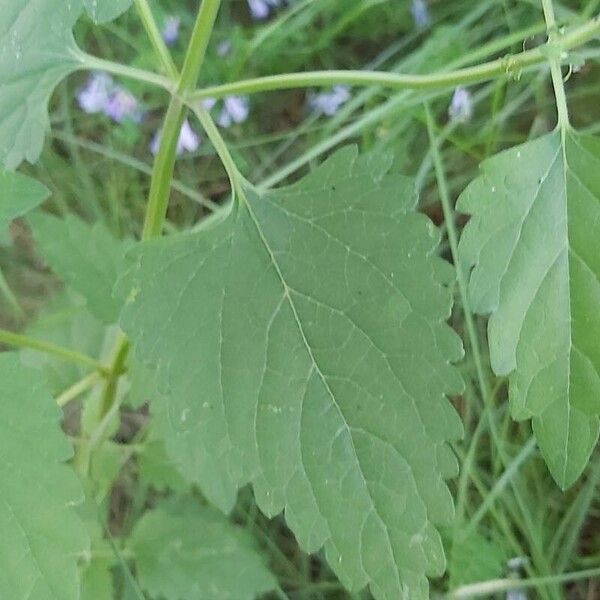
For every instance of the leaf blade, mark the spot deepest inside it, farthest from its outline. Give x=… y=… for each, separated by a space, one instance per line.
x=42 y=536
x=307 y=311
x=37 y=51
x=186 y=551
x=527 y=230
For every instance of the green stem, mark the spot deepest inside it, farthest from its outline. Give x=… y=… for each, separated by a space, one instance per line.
x=510 y=64
x=21 y=341
x=160 y=48
x=162 y=170
x=116 y=369
x=494 y=586
x=78 y=388
x=219 y=145
x=89 y=62
x=554 y=43
x=198 y=44
x=164 y=164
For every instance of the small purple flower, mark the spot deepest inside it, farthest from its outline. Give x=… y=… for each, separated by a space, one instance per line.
x=461 y=106
x=235 y=109
x=260 y=9
x=328 y=103
x=188 y=140
x=170 y=30
x=123 y=105
x=94 y=96
x=420 y=13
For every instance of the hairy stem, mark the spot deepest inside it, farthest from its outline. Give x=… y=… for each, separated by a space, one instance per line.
x=508 y=65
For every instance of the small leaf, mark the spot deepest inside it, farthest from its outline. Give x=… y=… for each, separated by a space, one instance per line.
x=86 y=257
x=474 y=558
x=18 y=195
x=301 y=344
x=103 y=11
x=532 y=243
x=37 y=51
x=42 y=536
x=184 y=551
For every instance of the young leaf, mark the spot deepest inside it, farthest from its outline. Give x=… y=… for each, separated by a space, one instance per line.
x=18 y=195
x=302 y=345
x=86 y=257
x=184 y=551
x=42 y=536
x=37 y=50
x=532 y=243
x=103 y=11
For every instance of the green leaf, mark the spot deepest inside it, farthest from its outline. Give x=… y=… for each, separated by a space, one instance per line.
x=103 y=11
x=157 y=469
x=18 y=195
x=86 y=257
x=533 y=244
x=474 y=558
x=42 y=536
x=184 y=551
x=37 y=51
x=301 y=341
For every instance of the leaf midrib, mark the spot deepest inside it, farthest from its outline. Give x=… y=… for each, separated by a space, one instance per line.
x=316 y=366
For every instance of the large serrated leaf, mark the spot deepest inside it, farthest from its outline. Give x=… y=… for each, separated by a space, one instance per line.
x=302 y=344
x=533 y=244
x=86 y=257
x=184 y=551
x=42 y=536
x=37 y=50
x=18 y=195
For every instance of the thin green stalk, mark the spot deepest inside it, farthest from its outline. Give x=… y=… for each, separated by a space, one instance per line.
x=500 y=485
x=162 y=170
x=219 y=145
x=73 y=356
x=164 y=164
x=160 y=48
x=198 y=44
x=11 y=299
x=78 y=388
x=494 y=586
x=460 y=276
x=89 y=62
x=116 y=369
x=508 y=65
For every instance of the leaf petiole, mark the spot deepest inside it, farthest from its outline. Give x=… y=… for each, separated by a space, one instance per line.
x=17 y=340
